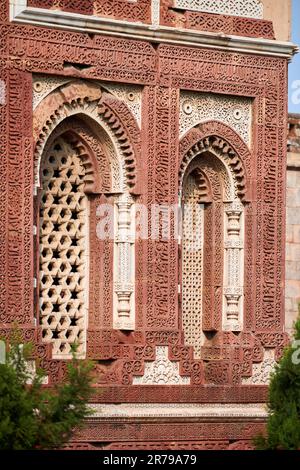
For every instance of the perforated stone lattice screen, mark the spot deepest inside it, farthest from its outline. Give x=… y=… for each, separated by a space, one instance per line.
x=192 y=264
x=197 y=107
x=63 y=250
x=244 y=8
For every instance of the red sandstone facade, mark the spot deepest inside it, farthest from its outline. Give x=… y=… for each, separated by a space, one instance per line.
x=81 y=110
x=293 y=223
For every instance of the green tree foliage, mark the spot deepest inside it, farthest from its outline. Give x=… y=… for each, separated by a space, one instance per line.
x=283 y=426
x=33 y=416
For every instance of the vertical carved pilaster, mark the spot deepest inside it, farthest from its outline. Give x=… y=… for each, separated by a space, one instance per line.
x=124 y=272
x=234 y=277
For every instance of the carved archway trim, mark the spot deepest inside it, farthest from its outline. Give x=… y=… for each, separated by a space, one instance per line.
x=223 y=142
x=90 y=151
x=108 y=111
x=87 y=100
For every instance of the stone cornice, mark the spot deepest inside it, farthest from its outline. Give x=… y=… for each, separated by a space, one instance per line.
x=20 y=13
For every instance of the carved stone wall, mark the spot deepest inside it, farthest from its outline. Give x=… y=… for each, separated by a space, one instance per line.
x=139 y=10
x=248 y=8
x=161 y=371
x=130 y=10
x=235 y=17
x=236 y=112
x=239 y=18
x=62 y=101
x=212 y=278
x=151 y=156
x=43 y=85
x=192 y=264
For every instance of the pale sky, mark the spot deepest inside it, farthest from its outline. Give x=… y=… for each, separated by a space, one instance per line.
x=294 y=68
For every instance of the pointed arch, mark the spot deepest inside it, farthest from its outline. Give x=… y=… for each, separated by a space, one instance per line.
x=80 y=120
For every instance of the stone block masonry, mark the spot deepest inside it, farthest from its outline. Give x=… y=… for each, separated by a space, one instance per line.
x=292 y=292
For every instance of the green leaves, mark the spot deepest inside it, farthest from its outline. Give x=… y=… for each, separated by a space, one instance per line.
x=33 y=416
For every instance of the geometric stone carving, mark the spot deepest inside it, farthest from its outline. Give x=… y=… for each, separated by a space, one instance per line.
x=92 y=102
x=179 y=410
x=129 y=94
x=262 y=371
x=2 y=92
x=63 y=250
x=233 y=168
x=164 y=71
x=162 y=371
x=228 y=25
x=196 y=107
x=155 y=12
x=45 y=84
x=56 y=107
x=234 y=267
x=119 y=136
x=60 y=104
x=117 y=175
x=196 y=267
x=244 y=8
x=192 y=264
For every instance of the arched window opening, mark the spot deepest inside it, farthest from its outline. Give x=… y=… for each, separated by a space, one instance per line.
x=64 y=215
x=212 y=250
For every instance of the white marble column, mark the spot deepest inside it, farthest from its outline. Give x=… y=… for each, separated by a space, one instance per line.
x=124 y=265
x=233 y=267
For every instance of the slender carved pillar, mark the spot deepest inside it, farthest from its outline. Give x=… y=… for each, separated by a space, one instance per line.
x=234 y=277
x=155 y=12
x=124 y=318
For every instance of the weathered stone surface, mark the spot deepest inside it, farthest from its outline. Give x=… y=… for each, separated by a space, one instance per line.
x=109 y=109
x=292 y=291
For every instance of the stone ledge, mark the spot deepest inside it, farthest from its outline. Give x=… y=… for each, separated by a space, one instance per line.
x=172 y=410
